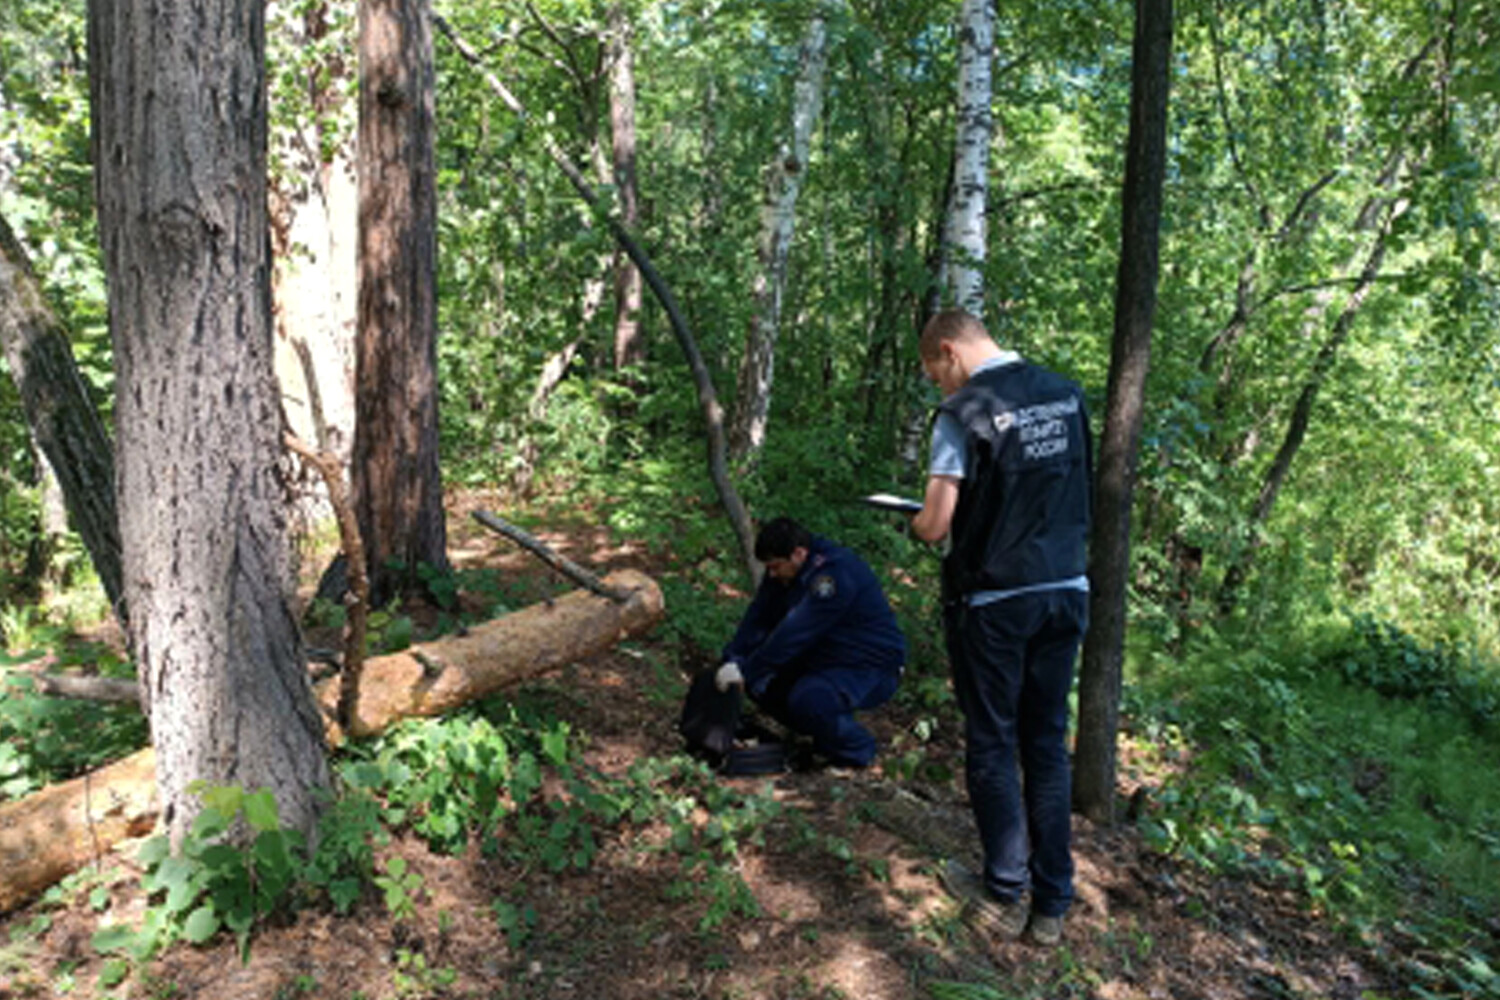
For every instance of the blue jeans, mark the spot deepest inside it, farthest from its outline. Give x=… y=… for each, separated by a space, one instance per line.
x=1012 y=669
x=821 y=703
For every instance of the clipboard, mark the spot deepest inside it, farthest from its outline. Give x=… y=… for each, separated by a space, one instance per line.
x=889 y=501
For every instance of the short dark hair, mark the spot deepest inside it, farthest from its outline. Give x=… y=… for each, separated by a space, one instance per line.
x=778 y=539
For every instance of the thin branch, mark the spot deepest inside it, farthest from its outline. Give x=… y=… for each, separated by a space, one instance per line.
x=583 y=81
x=1222 y=101
x=1040 y=192
x=551 y=557
x=1303 y=201
x=1318 y=286
x=549 y=59
x=108 y=689
x=358 y=599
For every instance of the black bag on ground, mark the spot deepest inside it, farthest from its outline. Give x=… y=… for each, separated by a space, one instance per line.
x=710 y=718
x=711 y=724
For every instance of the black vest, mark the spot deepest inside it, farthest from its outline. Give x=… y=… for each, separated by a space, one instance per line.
x=1023 y=506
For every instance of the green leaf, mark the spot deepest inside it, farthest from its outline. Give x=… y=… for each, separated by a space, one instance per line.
x=174 y=872
x=181 y=895
x=271 y=855
x=226 y=799
x=201 y=924
x=344 y=892
x=115 y=937
x=154 y=851
x=209 y=823
x=221 y=859
x=113 y=973
x=364 y=775
x=555 y=745
x=260 y=810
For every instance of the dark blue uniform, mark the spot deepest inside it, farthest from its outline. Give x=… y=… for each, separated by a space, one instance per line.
x=821 y=647
x=1015 y=610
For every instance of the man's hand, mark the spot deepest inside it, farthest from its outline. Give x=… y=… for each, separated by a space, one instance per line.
x=728 y=675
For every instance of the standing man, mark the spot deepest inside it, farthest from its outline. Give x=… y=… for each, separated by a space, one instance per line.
x=818 y=643
x=1009 y=485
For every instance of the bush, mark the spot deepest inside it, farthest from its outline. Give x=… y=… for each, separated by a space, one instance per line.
x=1452 y=676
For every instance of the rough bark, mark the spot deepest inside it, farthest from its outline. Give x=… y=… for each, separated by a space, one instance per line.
x=179 y=113
x=778 y=225
x=64 y=420
x=1119 y=444
x=708 y=399
x=397 y=481
x=62 y=828
x=630 y=347
x=964 y=244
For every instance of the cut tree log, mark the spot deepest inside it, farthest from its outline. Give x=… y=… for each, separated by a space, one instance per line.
x=58 y=830
x=89 y=688
x=438 y=676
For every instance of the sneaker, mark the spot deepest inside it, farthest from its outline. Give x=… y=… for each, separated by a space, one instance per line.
x=1045 y=931
x=996 y=918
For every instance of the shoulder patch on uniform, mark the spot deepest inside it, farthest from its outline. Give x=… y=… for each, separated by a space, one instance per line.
x=824 y=586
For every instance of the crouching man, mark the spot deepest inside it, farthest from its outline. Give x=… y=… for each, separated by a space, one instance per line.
x=817 y=644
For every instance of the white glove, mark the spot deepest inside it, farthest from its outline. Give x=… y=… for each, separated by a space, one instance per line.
x=728 y=675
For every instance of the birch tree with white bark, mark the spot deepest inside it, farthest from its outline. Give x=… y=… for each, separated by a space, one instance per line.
x=965 y=229
x=779 y=222
x=630 y=347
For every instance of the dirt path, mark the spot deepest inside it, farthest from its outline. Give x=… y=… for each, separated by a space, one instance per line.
x=844 y=898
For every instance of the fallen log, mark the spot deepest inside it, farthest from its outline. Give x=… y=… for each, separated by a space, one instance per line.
x=88 y=688
x=434 y=677
x=63 y=827
x=60 y=829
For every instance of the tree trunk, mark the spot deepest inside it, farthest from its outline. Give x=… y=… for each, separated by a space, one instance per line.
x=630 y=348
x=397 y=481
x=314 y=204
x=1119 y=444
x=64 y=827
x=179 y=113
x=63 y=418
x=747 y=433
x=964 y=244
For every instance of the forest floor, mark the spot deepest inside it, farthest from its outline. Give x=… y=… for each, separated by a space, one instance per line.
x=853 y=909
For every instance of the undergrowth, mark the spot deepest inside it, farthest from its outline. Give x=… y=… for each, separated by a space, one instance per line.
x=502 y=774
x=1353 y=764
x=45 y=739
x=1358 y=769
